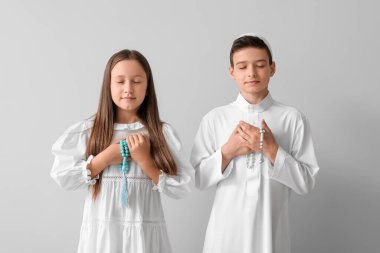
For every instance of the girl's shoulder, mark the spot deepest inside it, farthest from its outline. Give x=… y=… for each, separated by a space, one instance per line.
x=171 y=135
x=168 y=129
x=81 y=126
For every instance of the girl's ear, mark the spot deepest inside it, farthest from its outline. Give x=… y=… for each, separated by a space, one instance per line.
x=272 y=69
x=231 y=70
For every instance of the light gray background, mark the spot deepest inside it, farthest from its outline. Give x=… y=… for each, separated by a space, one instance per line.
x=52 y=58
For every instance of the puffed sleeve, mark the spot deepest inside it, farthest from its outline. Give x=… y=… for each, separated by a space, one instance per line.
x=181 y=184
x=70 y=164
x=207 y=158
x=298 y=167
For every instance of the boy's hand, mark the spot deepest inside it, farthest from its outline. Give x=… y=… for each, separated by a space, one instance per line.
x=235 y=146
x=270 y=145
x=251 y=135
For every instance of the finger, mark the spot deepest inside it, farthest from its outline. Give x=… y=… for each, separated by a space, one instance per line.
x=250 y=136
x=243 y=134
x=265 y=126
x=131 y=140
x=244 y=125
x=140 y=137
x=245 y=142
x=129 y=144
x=136 y=139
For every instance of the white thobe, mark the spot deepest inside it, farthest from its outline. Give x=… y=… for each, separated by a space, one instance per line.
x=108 y=227
x=250 y=210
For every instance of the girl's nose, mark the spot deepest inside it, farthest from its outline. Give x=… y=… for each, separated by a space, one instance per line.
x=128 y=87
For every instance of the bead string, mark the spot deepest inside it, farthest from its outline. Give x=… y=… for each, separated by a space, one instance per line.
x=124 y=169
x=250 y=158
x=261 y=157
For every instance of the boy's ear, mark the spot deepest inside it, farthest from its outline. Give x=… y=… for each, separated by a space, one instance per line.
x=273 y=69
x=231 y=70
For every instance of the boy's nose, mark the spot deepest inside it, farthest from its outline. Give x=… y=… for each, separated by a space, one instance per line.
x=252 y=72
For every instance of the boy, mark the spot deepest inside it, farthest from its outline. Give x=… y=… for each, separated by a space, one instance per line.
x=256 y=151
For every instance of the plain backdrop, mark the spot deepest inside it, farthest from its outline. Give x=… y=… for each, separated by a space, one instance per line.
x=52 y=58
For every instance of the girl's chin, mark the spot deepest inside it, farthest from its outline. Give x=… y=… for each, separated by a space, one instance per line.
x=128 y=109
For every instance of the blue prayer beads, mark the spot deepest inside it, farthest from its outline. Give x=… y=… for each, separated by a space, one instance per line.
x=124 y=168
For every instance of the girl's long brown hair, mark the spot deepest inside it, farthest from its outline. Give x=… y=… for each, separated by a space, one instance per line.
x=105 y=117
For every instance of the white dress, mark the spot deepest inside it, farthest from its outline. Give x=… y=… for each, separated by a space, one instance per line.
x=107 y=227
x=250 y=210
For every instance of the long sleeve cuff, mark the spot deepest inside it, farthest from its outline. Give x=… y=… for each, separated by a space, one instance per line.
x=161 y=182
x=209 y=172
x=86 y=173
x=278 y=162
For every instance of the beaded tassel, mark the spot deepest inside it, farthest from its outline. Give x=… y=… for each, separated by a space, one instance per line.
x=261 y=157
x=251 y=159
x=124 y=168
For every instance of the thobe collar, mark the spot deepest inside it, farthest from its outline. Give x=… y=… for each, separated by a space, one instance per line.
x=260 y=107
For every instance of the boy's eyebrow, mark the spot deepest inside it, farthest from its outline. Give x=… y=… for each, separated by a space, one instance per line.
x=240 y=62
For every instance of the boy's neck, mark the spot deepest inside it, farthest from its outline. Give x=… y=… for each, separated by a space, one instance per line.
x=255 y=98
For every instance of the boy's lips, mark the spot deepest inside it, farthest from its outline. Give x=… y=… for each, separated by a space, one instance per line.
x=252 y=82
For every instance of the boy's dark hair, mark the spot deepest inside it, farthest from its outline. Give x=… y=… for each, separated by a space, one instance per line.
x=249 y=41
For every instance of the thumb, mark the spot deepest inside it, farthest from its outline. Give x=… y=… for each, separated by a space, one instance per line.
x=265 y=126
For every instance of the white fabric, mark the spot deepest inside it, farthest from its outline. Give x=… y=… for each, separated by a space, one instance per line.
x=250 y=210
x=106 y=226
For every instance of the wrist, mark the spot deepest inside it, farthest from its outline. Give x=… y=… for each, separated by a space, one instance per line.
x=150 y=170
x=225 y=153
x=271 y=152
x=101 y=160
x=146 y=164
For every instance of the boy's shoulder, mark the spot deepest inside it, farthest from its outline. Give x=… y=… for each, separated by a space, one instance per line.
x=219 y=111
x=288 y=111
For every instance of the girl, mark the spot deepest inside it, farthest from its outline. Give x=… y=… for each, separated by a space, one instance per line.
x=123 y=211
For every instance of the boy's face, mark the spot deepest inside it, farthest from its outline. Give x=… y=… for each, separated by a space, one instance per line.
x=251 y=71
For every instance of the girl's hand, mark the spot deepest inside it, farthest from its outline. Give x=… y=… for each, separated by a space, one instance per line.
x=139 y=149
x=112 y=154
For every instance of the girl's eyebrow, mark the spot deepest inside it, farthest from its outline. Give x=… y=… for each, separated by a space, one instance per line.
x=132 y=76
x=260 y=60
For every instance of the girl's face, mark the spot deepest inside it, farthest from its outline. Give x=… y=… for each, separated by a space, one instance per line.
x=128 y=85
x=251 y=71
